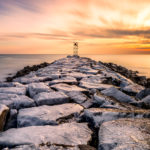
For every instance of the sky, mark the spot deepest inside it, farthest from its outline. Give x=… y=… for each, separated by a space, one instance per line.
x=51 y=26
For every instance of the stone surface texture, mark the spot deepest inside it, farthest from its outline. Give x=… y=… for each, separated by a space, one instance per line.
x=75 y=103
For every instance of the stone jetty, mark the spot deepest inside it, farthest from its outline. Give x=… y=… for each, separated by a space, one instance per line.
x=74 y=103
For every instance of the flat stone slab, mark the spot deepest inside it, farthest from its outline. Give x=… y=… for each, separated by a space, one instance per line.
x=51 y=98
x=28 y=79
x=125 y=134
x=3 y=113
x=68 y=79
x=35 y=88
x=69 y=134
x=77 y=97
x=99 y=115
x=16 y=101
x=68 y=88
x=133 y=88
x=109 y=102
x=77 y=75
x=117 y=94
x=46 y=115
x=11 y=84
x=13 y=90
x=95 y=86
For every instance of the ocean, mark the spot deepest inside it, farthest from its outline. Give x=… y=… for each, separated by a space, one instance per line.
x=10 y=64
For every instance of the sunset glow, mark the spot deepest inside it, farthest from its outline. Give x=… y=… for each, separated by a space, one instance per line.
x=51 y=26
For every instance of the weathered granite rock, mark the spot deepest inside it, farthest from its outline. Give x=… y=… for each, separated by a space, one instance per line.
x=13 y=90
x=12 y=119
x=46 y=115
x=68 y=80
x=143 y=93
x=88 y=70
x=104 y=101
x=132 y=89
x=68 y=88
x=69 y=134
x=97 y=116
x=3 y=114
x=16 y=101
x=144 y=103
x=125 y=134
x=95 y=86
x=11 y=84
x=45 y=147
x=117 y=94
x=77 y=97
x=28 y=79
x=35 y=88
x=51 y=98
x=77 y=75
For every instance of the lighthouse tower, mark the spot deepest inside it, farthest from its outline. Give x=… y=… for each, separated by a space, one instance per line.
x=75 y=48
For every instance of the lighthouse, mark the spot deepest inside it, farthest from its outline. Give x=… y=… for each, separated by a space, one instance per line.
x=75 y=48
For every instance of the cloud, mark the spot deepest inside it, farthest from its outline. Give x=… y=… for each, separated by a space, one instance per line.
x=8 y=6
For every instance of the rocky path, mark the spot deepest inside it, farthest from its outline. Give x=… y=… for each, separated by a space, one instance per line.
x=74 y=103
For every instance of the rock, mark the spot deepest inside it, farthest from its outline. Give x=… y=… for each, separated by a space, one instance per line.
x=125 y=134
x=95 y=86
x=104 y=101
x=88 y=70
x=14 y=101
x=28 y=79
x=13 y=90
x=3 y=114
x=144 y=103
x=51 y=98
x=69 y=134
x=77 y=97
x=143 y=93
x=12 y=119
x=11 y=84
x=68 y=88
x=46 y=115
x=44 y=147
x=133 y=89
x=87 y=104
x=97 y=116
x=35 y=88
x=68 y=80
x=117 y=94
x=77 y=75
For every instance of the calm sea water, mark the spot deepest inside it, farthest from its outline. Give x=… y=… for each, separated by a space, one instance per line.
x=9 y=64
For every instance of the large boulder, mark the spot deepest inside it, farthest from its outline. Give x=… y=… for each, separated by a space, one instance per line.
x=3 y=114
x=68 y=88
x=118 y=95
x=97 y=116
x=51 y=98
x=16 y=101
x=46 y=115
x=125 y=134
x=35 y=88
x=68 y=134
x=13 y=90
